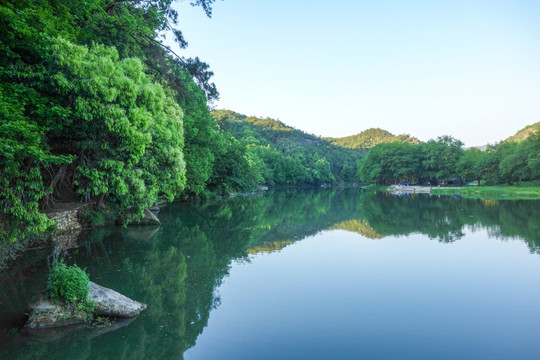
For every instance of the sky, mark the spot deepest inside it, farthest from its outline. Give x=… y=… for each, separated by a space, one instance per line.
x=469 y=69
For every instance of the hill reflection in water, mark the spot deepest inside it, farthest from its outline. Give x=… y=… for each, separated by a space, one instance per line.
x=176 y=268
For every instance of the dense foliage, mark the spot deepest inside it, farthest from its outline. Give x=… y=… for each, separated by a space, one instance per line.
x=92 y=103
x=445 y=160
x=286 y=156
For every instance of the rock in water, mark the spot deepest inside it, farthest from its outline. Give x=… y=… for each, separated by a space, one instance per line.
x=149 y=219
x=108 y=303
x=112 y=303
x=48 y=315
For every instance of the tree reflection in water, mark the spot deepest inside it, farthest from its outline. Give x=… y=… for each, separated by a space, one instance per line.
x=176 y=268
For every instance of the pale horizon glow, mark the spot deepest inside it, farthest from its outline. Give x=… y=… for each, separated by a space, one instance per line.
x=468 y=69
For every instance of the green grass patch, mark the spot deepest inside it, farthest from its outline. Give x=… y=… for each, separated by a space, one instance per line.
x=499 y=192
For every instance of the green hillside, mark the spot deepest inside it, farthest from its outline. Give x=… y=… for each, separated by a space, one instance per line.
x=370 y=138
x=525 y=133
x=289 y=156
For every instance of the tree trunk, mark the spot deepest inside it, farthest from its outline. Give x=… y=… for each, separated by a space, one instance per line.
x=100 y=200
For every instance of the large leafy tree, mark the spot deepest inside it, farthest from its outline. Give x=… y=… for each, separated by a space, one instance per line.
x=86 y=116
x=390 y=163
x=441 y=157
x=533 y=160
x=125 y=129
x=474 y=164
x=236 y=168
x=519 y=161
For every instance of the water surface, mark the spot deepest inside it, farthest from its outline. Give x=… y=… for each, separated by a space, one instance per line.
x=305 y=275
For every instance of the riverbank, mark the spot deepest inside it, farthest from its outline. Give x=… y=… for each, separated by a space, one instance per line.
x=409 y=189
x=499 y=192
x=399 y=189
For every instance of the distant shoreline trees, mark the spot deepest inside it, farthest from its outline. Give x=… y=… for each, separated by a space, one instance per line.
x=445 y=160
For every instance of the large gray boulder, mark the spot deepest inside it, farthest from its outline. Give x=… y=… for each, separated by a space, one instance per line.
x=112 y=303
x=108 y=303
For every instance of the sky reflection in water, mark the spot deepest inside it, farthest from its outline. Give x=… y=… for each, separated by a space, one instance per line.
x=307 y=274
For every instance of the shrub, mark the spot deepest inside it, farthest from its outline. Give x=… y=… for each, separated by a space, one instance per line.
x=89 y=217
x=69 y=284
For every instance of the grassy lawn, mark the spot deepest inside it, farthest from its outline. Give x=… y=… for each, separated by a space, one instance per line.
x=498 y=192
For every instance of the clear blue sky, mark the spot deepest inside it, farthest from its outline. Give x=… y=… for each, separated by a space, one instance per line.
x=469 y=69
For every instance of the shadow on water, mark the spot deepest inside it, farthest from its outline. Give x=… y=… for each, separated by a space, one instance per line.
x=176 y=268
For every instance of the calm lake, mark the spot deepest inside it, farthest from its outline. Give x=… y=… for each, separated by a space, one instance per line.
x=304 y=274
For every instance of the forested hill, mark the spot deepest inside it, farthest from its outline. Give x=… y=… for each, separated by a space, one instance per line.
x=267 y=130
x=289 y=156
x=524 y=133
x=370 y=138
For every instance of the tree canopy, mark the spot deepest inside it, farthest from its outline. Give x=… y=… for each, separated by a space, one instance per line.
x=289 y=156
x=91 y=102
x=445 y=160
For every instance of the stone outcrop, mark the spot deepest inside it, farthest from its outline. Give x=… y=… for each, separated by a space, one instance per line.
x=150 y=218
x=48 y=315
x=108 y=303
x=66 y=220
x=112 y=303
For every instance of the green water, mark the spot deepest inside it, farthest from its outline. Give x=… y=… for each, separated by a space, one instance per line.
x=315 y=274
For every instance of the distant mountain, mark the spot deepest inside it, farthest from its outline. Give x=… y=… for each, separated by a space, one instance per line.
x=524 y=133
x=370 y=138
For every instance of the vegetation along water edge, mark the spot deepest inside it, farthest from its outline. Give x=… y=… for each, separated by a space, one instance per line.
x=497 y=192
